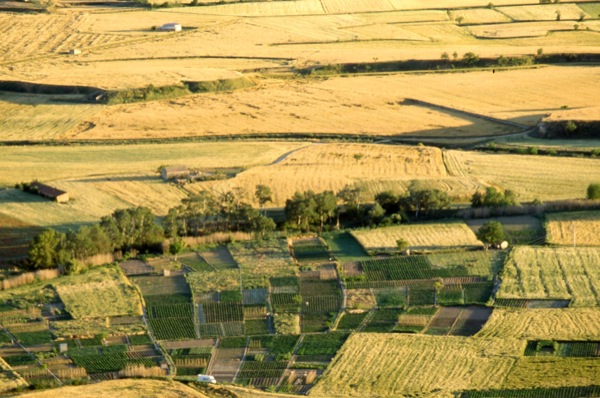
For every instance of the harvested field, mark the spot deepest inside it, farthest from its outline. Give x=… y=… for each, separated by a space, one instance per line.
x=391 y=365
x=544 y=324
x=537 y=177
x=580 y=228
x=362 y=299
x=418 y=236
x=77 y=162
x=479 y=16
x=520 y=30
x=542 y=12
x=206 y=282
x=322 y=167
x=98 y=293
x=552 y=273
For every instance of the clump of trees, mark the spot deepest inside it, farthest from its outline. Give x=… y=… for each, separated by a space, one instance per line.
x=493 y=198
x=491 y=233
x=124 y=230
x=205 y=213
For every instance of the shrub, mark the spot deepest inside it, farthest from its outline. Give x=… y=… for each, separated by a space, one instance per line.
x=593 y=191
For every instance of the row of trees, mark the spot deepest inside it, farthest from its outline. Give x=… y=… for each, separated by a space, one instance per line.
x=123 y=230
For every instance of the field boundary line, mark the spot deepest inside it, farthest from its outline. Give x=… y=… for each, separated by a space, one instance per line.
x=30 y=354
x=213 y=358
x=366 y=320
x=243 y=359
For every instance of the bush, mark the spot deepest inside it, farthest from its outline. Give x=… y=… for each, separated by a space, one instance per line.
x=593 y=191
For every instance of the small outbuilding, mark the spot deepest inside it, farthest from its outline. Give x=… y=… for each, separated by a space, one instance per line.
x=50 y=192
x=170 y=27
x=74 y=51
x=174 y=172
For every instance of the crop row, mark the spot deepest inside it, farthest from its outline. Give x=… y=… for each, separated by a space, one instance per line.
x=322 y=344
x=405 y=268
x=254 y=297
x=173 y=328
x=220 y=312
x=251 y=374
x=351 y=321
x=222 y=329
x=277 y=345
x=321 y=304
x=171 y=311
x=263 y=365
x=383 y=320
x=108 y=363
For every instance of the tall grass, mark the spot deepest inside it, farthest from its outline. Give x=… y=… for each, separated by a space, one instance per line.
x=29 y=277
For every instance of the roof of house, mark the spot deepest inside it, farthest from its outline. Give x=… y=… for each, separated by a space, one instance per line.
x=174 y=169
x=47 y=190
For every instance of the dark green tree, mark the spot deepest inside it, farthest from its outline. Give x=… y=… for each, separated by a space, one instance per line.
x=593 y=191
x=47 y=249
x=491 y=233
x=325 y=207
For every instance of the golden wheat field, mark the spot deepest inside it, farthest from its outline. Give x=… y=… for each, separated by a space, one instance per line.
x=320 y=167
x=552 y=273
x=99 y=293
x=543 y=323
x=530 y=177
x=552 y=372
x=419 y=237
x=580 y=228
x=393 y=365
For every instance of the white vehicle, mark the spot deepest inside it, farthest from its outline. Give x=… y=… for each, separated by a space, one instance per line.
x=206 y=379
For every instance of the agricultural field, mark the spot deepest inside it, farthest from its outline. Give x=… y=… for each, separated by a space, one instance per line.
x=98 y=293
x=579 y=228
x=259 y=261
x=392 y=364
x=537 y=177
x=540 y=324
x=552 y=273
x=418 y=236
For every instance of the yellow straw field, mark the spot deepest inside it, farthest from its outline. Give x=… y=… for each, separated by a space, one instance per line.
x=552 y=273
x=9 y=379
x=542 y=12
x=418 y=236
x=579 y=228
x=553 y=372
x=530 y=177
x=393 y=365
x=543 y=324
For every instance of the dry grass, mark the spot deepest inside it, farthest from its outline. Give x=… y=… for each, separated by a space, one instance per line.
x=392 y=365
x=332 y=166
x=206 y=282
x=579 y=228
x=552 y=273
x=28 y=277
x=360 y=299
x=544 y=323
x=537 y=177
x=129 y=388
x=100 y=292
x=418 y=236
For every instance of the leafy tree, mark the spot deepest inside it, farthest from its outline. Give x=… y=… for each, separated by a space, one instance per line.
x=470 y=59
x=491 y=233
x=263 y=194
x=325 y=207
x=420 y=198
x=264 y=226
x=493 y=198
x=570 y=127
x=389 y=201
x=402 y=245
x=593 y=191
x=351 y=196
x=48 y=249
x=376 y=213
x=176 y=247
x=445 y=57
x=88 y=241
x=300 y=210
x=133 y=228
